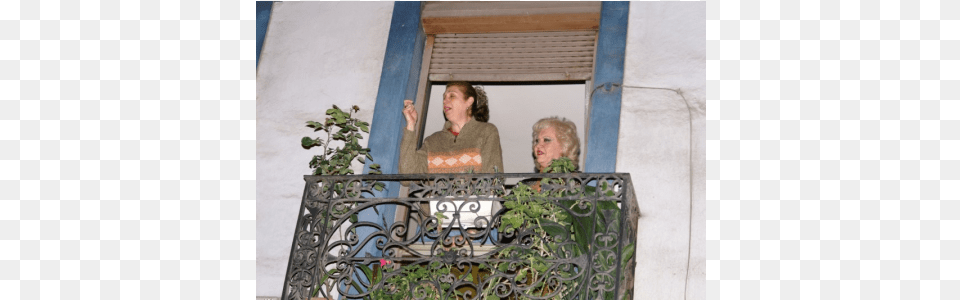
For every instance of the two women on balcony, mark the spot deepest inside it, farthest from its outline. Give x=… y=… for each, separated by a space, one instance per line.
x=467 y=142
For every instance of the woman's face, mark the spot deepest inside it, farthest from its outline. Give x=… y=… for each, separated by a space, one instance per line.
x=546 y=147
x=455 y=106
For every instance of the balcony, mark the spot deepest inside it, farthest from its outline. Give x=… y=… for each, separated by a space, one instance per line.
x=465 y=236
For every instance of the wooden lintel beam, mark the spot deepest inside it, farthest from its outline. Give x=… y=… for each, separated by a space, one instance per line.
x=512 y=23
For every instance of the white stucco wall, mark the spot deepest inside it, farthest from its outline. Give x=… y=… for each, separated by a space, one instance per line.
x=315 y=54
x=662 y=145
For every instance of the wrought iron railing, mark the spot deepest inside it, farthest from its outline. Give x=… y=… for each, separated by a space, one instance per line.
x=438 y=242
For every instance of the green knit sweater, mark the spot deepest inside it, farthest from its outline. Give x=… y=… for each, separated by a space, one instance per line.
x=476 y=149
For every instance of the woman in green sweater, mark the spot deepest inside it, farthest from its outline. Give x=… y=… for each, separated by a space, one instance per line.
x=467 y=142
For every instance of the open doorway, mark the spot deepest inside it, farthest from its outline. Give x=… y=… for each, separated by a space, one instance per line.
x=513 y=109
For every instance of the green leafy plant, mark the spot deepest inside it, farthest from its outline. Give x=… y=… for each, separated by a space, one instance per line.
x=561 y=165
x=323 y=283
x=530 y=208
x=340 y=126
x=369 y=276
x=418 y=280
x=552 y=222
x=583 y=227
x=372 y=277
x=552 y=230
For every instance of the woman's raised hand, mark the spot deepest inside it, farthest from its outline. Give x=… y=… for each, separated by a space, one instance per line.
x=410 y=113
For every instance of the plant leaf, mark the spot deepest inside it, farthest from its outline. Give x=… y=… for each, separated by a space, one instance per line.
x=306 y=142
x=366 y=270
x=553 y=229
x=313 y=124
x=627 y=254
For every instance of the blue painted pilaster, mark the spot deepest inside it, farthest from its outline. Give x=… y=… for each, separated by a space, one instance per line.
x=601 y=156
x=398 y=81
x=263 y=20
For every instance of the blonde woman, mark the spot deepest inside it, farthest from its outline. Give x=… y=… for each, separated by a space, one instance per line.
x=553 y=138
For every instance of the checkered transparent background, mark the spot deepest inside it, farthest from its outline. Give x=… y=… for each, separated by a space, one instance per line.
x=127 y=150
x=833 y=137
x=128 y=142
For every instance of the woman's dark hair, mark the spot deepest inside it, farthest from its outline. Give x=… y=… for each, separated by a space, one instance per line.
x=479 y=110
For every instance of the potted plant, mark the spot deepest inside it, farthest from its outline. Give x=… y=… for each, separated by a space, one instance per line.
x=339 y=126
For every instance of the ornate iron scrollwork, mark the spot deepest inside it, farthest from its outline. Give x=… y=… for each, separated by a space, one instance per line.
x=446 y=246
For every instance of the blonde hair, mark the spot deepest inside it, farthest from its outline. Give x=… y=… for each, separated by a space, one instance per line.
x=566 y=135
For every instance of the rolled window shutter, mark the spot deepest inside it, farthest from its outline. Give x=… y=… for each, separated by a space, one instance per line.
x=521 y=56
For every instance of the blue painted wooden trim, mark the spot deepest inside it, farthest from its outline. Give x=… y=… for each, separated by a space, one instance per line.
x=263 y=20
x=607 y=79
x=398 y=81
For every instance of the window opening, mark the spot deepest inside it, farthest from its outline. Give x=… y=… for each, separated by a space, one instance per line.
x=513 y=109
